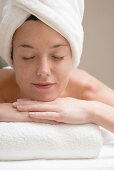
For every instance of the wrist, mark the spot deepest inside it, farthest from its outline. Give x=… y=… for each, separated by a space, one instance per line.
x=10 y=114
x=94 y=111
x=103 y=115
x=2 y=108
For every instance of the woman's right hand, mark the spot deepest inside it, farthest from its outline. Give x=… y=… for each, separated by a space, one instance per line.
x=10 y=114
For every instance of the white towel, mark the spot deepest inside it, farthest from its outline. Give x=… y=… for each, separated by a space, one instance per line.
x=27 y=141
x=2 y=4
x=64 y=16
x=104 y=162
x=108 y=137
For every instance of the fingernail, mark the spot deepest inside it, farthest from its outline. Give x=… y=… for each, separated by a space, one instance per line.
x=19 y=100
x=15 y=104
x=19 y=107
x=32 y=113
x=24 y=99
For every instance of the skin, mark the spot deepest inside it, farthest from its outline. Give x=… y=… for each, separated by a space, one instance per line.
x=41 y=60
x=75 y=97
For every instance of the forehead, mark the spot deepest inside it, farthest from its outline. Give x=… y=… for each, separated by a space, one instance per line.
x=37 y=31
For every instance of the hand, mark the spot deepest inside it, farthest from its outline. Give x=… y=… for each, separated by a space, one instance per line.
x=65 y=110
x=11 y=114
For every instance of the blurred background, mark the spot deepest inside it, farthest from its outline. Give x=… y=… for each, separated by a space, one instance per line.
x=98 y=53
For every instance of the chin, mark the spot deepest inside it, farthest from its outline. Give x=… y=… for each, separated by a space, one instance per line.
x=44 y=98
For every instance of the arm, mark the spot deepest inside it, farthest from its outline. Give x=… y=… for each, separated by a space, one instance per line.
x=92 y=88
x=102 y=97
x=71 y=111
x=103 y=115
x=9 y=114
x=99 y=92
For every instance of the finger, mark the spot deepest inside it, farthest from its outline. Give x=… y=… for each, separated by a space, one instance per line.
x=46 y=115
x=28 y=102
x=23 y=99
x=37 y=108
x=24 y=102
x=44 y=121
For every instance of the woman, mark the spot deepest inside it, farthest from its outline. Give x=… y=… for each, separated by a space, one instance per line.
x=43 y=87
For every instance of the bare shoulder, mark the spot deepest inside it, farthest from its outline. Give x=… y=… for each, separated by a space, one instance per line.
x=6 y=74
x=85 y=79
x=78 y=83
x=7 y=83
x=87 y=85
x=81 y=78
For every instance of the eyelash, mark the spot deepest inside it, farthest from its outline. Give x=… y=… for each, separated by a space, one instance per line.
x=58 y=58
x=28 y=58
x=54 y=57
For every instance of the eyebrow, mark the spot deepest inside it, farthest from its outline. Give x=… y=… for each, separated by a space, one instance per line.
x=54 y=46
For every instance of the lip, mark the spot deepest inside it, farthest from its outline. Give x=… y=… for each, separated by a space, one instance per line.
x=46 y=85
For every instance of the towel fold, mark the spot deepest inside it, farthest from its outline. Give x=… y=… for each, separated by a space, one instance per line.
x=64 y=16
x=27 y=141
x=108 y=137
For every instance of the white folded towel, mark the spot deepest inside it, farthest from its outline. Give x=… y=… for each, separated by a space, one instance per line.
x=27 y=141
x=64 y=16
x=108 y=137
x=104 y=162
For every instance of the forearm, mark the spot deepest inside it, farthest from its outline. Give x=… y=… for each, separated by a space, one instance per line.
x=107 y=97
x=103 y=115
x=10 y=114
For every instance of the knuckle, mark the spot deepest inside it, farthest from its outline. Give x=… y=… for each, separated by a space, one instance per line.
x=59 y=116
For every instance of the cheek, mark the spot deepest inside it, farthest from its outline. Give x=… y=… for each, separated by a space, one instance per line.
x=65 y=69
x=23 y=74
x=63 y=75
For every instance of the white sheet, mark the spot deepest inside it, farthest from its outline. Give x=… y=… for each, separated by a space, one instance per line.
x=104 y=162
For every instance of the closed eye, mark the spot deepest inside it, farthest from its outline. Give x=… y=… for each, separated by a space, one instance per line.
x=27 y=58
x=58 y=58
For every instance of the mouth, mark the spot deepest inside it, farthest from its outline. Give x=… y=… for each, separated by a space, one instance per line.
x=43 y=85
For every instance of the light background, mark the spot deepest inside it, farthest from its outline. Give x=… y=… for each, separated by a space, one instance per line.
x=98 y=53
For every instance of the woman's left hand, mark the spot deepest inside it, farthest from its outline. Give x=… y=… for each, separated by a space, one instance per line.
x=64 y=110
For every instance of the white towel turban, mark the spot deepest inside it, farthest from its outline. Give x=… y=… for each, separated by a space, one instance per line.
x=64 y=16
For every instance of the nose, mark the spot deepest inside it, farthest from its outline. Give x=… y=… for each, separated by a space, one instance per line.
x=43 y=69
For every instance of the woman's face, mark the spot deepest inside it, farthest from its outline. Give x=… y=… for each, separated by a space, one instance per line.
x=41 y=60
